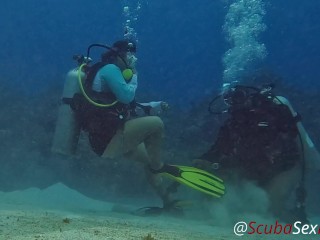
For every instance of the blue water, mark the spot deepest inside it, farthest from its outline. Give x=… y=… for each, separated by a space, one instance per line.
x=180 y=49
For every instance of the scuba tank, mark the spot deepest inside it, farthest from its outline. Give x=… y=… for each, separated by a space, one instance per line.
x=68 y=127
x=67 y=131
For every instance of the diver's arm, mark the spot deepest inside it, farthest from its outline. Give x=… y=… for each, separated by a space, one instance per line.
x=123 y=91
x=151 y=108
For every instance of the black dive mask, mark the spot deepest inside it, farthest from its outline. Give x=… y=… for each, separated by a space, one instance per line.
x=241 y=98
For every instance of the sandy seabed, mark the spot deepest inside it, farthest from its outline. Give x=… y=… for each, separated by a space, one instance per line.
x=61 y=213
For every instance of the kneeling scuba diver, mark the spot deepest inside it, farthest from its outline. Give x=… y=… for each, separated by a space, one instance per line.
x=102 y=115
x=262 y=139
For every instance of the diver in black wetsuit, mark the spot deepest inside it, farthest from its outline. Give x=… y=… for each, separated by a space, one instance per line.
x=261 y=141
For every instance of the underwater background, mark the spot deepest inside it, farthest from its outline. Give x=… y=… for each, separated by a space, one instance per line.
x=186 y=51
x=181 y=43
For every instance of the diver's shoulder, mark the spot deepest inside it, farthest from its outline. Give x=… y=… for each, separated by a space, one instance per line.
x=110 y=67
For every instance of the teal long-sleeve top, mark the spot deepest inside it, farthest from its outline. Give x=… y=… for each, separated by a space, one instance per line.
x=109 y=79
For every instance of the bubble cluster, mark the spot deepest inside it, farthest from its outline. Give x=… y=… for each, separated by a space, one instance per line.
x=243 y=26
x=131 y=10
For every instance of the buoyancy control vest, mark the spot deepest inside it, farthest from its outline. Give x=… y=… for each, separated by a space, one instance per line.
x=84 y=109
x=101 y=123
x=259 y=137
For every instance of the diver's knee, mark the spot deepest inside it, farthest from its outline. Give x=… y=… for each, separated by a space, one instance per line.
x=157 y=123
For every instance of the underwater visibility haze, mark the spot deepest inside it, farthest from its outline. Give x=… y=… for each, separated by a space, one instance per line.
x=188 y=52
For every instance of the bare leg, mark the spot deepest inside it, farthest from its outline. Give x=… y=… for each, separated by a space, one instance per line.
x=141 y=141
x=147 y=130
x=140 y=155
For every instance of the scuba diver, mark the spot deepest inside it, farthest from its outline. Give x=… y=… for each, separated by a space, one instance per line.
x=100 y=100
x=262 y=140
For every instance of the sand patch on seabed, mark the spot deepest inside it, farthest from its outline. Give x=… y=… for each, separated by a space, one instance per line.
x=29 y=215
x=40 y=224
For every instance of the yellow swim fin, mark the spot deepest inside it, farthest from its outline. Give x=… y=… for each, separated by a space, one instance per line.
x=195 y=178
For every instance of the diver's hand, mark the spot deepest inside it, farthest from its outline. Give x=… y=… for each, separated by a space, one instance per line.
x=153 y=108
x=164 y=106
x=158 y=107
